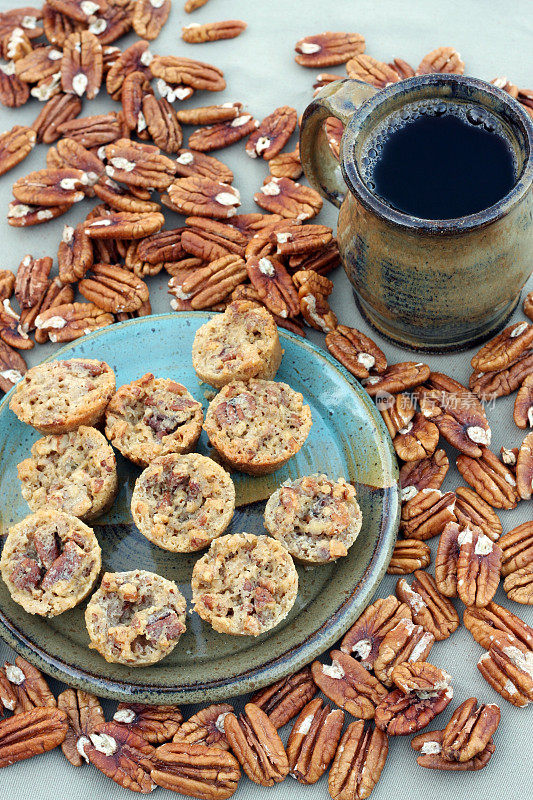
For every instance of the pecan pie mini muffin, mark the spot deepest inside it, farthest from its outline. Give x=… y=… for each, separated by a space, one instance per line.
x=59 y=396
x=73 y=472
x=182 y=503
x=257 y=426
x=50 y=562
x=135 y=617
x=244 y=585
x=315 y=518
x=240 y=344
x=151 y=417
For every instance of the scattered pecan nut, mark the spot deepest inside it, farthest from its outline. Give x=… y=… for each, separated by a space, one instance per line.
x=196 y=770
x=15 y=145
x=124 y=225
x=284 y=699
x=313 y=740
x=204 y=197
x=446 y=559
x=149 y=16
x=409 y=555
x=197 y=74
x=355 y=351
x=478 y=567
x=13 y=91
x=429 y=745
x=113 y=288
x=490 y=385
x=43 y=62
x=425 y=473
x=471 y=509
x=428 y=606
x=138 y=164
x=206 y=727
x=495 y=624
x=348 y=684
x=192 y=162
x=397 y=378
x=523 y=406
x=504 y=348
x=222 y=134
x=67 y=322
x=458 y=414
x=469 y=730
x=212 y=31
x=32 y=280
x=274 y=286
x=508 y=669
x=162 y=124
x=210 y=239
x=135 y=58
x=121 y=754
x=443 y=59
x=29 y=686
x=208 y=285
x=425 y=515
x=257 y=746
x=290 y=199
x=273 y=133
x=75 y=254
x=57 y=294
x=30 y=733
x=491 y=479
x=286 y=165
x=156 y=724
x=528 y=305
x=358 y=762
x=406 y=642
x=51 y=187
x=368 y=69
x=327 y=49
x=84 y=714
x=403 y=712
x=364 y=638
x=12 y=367
x=524 y=468
x=82 y=65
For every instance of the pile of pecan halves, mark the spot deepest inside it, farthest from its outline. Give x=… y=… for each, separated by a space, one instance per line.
x=133 y=161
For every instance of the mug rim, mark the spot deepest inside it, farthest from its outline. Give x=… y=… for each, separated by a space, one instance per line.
x=371 y=201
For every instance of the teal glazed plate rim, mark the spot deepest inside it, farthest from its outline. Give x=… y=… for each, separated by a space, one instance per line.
x=348 y=438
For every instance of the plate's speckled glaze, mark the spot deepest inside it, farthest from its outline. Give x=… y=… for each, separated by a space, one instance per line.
x=348 y=438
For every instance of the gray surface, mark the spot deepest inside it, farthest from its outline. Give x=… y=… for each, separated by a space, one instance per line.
x=494 y=38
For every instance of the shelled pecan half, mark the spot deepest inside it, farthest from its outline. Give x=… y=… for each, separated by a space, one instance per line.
x=501 y=351
x=156 y=724
x=212 y=31
x=429 y=745
x=495 y=624
x=406 y=642
x=524 y=468
x=15 y=145
x=491 y=479
x=84 y=713
x=428 y=606
x=471 y=509
x=195 y=770
x=327 y=49
x=425 y=473
x=121 y=754
x=407 y=556
x=355 y=351
x=290 y=199
x=284 y=699
x=257 y=746
x=348 y=684
x=206 y=727
x=509 y=670
x=313 y=740
x=469 y=730
x=364 y=638
x=426 y=513
x=30 y=733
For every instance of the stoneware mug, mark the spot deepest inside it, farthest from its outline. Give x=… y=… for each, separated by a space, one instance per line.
x=431 y=285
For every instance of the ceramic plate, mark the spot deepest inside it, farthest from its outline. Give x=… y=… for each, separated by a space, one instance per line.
x=348 y=438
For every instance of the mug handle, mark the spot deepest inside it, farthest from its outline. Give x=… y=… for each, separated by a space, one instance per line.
x=339 y=99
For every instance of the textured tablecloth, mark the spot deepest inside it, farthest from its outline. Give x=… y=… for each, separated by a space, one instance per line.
x=494 y=38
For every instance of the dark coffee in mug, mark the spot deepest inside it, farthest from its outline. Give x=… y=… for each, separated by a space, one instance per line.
x=439 y=160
